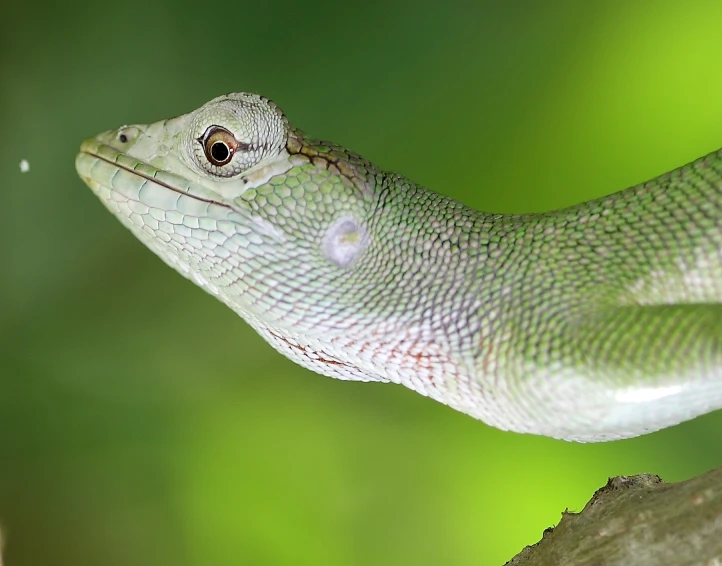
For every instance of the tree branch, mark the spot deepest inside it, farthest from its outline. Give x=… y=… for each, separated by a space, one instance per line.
x=638 y=521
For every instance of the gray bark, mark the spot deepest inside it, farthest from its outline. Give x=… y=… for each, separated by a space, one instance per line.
x=638 y=521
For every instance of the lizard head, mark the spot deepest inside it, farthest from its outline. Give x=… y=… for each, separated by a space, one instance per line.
x=347 y=270
x=237 y=200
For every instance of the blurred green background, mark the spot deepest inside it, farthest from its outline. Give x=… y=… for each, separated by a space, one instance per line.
x=142 y=423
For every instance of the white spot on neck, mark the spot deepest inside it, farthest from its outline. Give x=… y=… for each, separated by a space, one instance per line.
x=345 y=241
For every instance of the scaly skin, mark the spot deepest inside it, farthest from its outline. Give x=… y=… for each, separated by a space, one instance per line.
x=590 y=323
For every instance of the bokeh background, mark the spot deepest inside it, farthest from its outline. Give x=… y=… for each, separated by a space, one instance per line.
x=142 y=423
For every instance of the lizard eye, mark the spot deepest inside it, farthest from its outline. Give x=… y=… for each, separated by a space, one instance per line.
x=232 y=134
x=219 y=145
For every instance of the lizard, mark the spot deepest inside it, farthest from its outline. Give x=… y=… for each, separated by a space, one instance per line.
x=594 y=322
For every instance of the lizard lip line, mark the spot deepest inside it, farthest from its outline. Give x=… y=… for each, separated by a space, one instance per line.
x=153 y=180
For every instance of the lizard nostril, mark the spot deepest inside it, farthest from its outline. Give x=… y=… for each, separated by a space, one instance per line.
x=126 y=134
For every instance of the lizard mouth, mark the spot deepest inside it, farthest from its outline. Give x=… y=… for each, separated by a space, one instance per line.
x=114 y=175
x=147 y=176
x=152 y=200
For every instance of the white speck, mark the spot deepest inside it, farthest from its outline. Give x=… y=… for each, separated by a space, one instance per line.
x=24 y=166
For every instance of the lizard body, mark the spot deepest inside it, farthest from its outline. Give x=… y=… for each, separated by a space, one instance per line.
x=594 y=322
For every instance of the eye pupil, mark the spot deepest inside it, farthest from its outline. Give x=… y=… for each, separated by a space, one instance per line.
x=220 y=151
x=219 y=145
